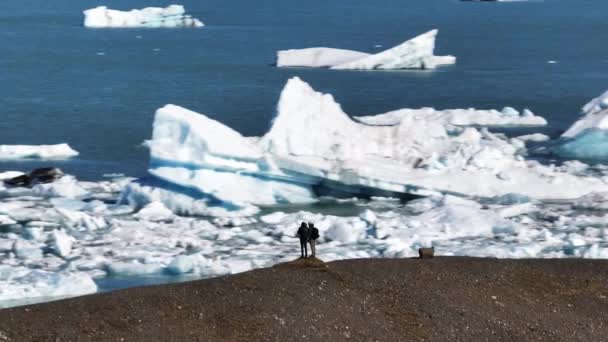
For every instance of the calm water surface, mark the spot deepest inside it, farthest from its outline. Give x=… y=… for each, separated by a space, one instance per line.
x=98 y=89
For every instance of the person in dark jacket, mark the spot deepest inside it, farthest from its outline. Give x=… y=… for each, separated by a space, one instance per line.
x=314 y=235
x=304 y=235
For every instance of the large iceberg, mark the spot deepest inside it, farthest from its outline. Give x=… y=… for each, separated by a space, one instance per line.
x=170 y=16
x=416 y=53
x=313 y=144
x=59 y=151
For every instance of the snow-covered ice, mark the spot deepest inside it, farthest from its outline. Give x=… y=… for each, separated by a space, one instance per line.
x=407 y=151
x=59 y=151
x=459 y=117
x=56 y=247
x=170 y=16
x=416 y=53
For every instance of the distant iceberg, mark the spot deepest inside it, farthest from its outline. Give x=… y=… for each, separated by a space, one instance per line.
x=416 y=53
x=59 y=151
x=170 y=16
x=460 y=117
x=587 y=138
x=312 y=143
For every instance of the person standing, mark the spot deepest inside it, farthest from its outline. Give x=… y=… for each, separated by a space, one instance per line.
x=304 y=235
x=314 y=235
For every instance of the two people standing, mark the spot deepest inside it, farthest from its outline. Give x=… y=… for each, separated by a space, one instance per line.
x=308 y=234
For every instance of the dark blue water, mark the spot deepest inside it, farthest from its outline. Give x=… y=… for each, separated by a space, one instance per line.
x=56 y=87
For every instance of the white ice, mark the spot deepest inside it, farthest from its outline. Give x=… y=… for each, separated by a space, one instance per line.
x=416 y=53
x=423 y=151
x=171 y=16
x=193 y=151
x=54 y=247
x=59 y=151
x=420 y=152
x=459 y=117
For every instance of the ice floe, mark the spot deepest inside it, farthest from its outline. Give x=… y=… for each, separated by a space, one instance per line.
x=59 y=151
x=170 y=16
x=56 y=247
x=416 y=53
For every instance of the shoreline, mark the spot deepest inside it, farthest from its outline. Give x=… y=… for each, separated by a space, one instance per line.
x=440 y=299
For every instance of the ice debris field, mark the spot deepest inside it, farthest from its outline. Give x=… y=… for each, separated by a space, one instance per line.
x=416 y=53
x=214 y=201
x=153 y=17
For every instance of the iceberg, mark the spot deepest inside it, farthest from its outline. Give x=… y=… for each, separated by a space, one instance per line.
x=416 y=53
x=587 y=138
x=404 y=152
x=59 y=151
x=460 y=117
x=156 y=17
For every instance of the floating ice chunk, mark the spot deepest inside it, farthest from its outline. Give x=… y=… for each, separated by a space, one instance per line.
x=369 y=217
x=183 y=264
x=517 y=210
x=60 y=151
x=5 y=220
x=345 y=232
x=535 y=137
x=588 y=137
x=592 y=201
x=40 y=283
x=62 y=242
x=317 y=57
x=66 y=186
x=171 y=16
x=596 y=251
x=78 y=219
x=458 y=117
x=591 y=143
x=25 y=249
x=154 y=211
x=416 y=53
x=133 y=269
x=511 y=198
x=68 y=203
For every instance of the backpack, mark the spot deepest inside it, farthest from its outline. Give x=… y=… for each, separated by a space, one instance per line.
x=314 y=233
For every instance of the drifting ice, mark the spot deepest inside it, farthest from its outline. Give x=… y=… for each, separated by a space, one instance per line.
x=58 y=151
x=416 y=53
x=171 y=16
x=54 y=248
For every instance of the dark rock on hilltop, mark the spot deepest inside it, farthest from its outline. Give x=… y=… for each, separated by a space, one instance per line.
x=41 y=175
x=440 y=299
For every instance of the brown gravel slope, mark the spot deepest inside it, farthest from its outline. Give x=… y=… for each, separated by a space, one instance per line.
x=441 y=299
